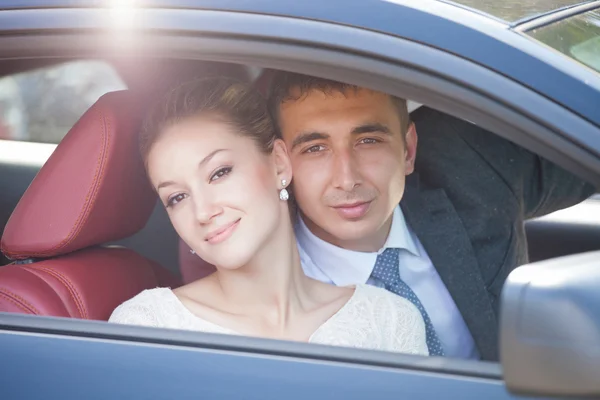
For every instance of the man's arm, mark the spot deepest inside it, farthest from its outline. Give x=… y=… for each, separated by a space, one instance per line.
x=539 y=185
x=548 y=187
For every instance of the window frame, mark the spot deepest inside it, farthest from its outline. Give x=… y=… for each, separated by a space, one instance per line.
x=398 y=66
x=118 y=361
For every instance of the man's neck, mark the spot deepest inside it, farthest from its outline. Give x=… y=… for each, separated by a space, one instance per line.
x=368 y=244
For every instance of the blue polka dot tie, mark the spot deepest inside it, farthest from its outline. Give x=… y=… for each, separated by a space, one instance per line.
x=387 y=271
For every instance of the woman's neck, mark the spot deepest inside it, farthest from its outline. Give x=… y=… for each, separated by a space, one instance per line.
x=272 y=285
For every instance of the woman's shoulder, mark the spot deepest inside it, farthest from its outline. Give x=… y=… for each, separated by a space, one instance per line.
x=143 y=309
x=149 y=297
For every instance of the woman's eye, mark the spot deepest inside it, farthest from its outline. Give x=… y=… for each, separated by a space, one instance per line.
x=315 y=148
x=174 y=200
x=221 y=172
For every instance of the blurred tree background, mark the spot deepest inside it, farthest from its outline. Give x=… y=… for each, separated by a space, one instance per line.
x=42 y=105
x=577 y=37
x=513 y=10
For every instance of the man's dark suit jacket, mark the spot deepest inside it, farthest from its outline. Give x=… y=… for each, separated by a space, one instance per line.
x=467 y=202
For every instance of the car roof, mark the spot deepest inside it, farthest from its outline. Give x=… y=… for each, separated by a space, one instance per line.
x=377 y=15
x=505 y=10
x=411 y=19
x=451 y=27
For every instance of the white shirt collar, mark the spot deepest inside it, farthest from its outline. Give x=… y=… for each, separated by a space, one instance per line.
x=347 y=267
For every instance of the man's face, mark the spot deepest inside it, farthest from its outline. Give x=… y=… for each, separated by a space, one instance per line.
x=349 y=159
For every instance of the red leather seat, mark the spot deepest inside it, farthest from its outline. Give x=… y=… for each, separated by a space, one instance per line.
x=191 y=266
x=91 y=191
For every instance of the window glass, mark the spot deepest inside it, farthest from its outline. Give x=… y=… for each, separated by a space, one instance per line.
x=578 y=37
x=42 y=105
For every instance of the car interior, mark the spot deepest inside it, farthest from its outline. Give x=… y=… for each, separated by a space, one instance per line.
x=112 y=228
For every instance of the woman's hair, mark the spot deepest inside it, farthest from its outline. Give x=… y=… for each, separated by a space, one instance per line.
x=234 y=103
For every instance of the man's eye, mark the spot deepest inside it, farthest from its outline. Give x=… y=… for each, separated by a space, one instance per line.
x=369 y=141
x=174 y=200
x=221 y=172
x=314 y=149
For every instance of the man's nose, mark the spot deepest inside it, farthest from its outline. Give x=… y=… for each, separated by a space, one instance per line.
x=345 y=171
x=205 y=209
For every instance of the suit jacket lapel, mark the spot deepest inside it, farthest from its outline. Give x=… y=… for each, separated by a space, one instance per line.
x=434 y=220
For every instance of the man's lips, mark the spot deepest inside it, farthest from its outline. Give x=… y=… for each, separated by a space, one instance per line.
x=223 y=233
x=353 y=210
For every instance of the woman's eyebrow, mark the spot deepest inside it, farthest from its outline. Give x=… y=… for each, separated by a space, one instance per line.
x=209 y=157
x=164 y=184
x=200 y=164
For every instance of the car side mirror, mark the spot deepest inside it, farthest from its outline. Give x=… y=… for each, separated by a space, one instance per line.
x=550 y=327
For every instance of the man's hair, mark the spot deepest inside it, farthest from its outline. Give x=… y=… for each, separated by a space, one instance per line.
x=289 y=86
x=235 y=103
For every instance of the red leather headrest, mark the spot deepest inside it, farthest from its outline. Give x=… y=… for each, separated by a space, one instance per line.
x=92 y=190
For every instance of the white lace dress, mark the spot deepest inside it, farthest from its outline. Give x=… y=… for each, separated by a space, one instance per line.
x=373 y=318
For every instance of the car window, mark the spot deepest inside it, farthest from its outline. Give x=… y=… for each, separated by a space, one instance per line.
x=578 y=37
x=75 y=86
x=43 y=104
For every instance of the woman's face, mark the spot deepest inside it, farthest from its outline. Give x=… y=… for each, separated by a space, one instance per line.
x=220 y=191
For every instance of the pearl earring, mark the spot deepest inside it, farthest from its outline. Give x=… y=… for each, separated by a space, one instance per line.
x=283 y=193
x=192 y=251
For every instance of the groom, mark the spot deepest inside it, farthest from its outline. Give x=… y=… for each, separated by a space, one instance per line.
x=443 y=229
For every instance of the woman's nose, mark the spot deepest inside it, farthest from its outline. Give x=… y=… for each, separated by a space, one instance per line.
x=206 y=209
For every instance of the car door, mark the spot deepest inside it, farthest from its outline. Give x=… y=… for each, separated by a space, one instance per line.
x=93 y=360
x=59 y=358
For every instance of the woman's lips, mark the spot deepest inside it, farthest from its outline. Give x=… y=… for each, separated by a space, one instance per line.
x=222 y=234
x=353 y=211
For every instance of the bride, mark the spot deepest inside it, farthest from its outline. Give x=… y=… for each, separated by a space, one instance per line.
x=211 y=155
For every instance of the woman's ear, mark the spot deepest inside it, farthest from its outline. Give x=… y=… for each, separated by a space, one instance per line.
x=283 y=164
